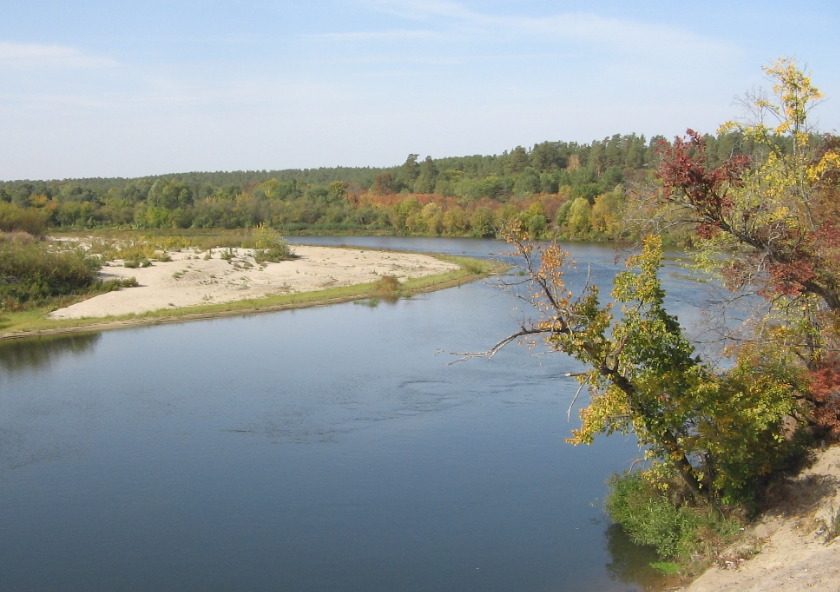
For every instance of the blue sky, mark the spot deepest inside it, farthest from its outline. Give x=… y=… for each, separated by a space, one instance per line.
x=94 y=88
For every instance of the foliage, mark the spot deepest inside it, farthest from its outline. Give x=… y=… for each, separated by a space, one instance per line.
x=651 y=516
x=720 y=433
x=268 y=244
x=14 y=218
x=387 y=287
x=769 y=223
x=31 y=275
x=666 y=567
x=468 y=192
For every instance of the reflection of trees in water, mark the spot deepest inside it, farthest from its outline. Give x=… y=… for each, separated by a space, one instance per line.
x=26 y=354
x=631 y=562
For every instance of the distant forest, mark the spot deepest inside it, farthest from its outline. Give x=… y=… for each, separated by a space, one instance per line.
x=565 y=189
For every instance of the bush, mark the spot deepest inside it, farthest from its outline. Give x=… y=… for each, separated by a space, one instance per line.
x=656 y=517
x=29 y=220
x=388 y=285
x=135 y=263
x=268 y=244
x=32 y=275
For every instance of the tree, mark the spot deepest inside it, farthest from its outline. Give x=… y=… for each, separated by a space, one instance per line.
x=718 y=432
x=781 y=209
x=483 y=222
x=170 y=194
x=576 y=223
x=408 y=172
x=606 y=216
x=528 y=182
x=383 y=183
x=517 y=161
x=769 y=223
x=427 y=179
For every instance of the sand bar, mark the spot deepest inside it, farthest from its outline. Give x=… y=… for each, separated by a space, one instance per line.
x=192 y=279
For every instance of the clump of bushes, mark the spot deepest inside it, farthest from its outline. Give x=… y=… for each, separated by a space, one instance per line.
x=658 y=516
x=268 y=244
x=33 y=275
x=132 y=251
x=29 y=220
x=135 y=263
x=388 y=288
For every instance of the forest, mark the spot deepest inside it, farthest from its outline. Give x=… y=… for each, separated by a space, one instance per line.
x=555 y=189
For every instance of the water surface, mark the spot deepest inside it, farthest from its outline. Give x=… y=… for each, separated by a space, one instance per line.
x=326 y=449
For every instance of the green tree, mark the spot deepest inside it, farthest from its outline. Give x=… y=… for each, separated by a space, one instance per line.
x=408 y=173
x=483 y=222
x=717 y=433
x=528 y=183
x=517 y=161
x=169 y=194
x=402 y=210
x=576 y=224
x=606 y=216
x=427 y=178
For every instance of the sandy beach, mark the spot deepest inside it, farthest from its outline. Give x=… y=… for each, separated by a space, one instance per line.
x=194 y=278
x=796 y=552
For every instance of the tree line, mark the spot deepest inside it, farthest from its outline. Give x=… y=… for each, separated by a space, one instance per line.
x=576 y=191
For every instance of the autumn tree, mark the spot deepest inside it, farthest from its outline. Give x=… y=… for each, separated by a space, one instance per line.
x=716 y=433
x=769 y=223
x=766 y=222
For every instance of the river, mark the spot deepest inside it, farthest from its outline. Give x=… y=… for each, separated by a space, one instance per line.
x=324 y=449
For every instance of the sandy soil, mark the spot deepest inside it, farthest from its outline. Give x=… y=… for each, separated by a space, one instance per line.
x=190 y=279
x=795 y=554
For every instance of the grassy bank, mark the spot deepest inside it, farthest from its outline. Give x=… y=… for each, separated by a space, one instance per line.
x=34 y=322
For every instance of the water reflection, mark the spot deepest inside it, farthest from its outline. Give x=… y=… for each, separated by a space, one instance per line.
x=630 y=562
x=41 y=352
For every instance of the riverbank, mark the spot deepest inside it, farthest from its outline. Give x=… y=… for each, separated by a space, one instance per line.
x=198 y=284
x=795 y=545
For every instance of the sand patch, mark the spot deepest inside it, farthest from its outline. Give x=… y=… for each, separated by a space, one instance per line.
x=192 y=279
x=795 y=554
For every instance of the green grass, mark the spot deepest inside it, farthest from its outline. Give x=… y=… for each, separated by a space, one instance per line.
x=666 y=567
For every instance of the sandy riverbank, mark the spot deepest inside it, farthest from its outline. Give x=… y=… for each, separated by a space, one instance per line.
x=795 y=551
x=195 y=278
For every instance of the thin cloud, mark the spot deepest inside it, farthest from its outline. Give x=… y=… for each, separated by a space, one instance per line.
x=24 y=56
x=377 y=35
x=628 y=36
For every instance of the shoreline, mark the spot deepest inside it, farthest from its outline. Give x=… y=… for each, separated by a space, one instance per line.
x=323 y=276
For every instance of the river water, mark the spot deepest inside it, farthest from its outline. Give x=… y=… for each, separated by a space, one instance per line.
x=325 y=449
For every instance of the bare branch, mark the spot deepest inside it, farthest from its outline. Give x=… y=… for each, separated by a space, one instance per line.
x=523 y=332
x=574 y=400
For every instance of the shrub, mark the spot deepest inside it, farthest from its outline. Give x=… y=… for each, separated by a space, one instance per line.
x=135 y=263
x=32 y=275
x=28 y=220
x=656 y=517
x=268 y=244
x=388 y=287
x=228 y=255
